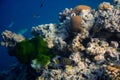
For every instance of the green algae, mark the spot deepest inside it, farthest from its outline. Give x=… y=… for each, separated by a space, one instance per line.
x=35 y=48
x=43 y=59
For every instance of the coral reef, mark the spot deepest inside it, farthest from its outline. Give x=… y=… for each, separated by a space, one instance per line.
x=51 y=33
x=10 y=39
x=101 y=50
x=107 y=18
x=84 y=46
x=112 y=72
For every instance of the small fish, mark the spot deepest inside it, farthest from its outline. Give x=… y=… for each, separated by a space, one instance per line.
x=23 y=31
x=36 y=16
x=11 y=24
x=42 y=3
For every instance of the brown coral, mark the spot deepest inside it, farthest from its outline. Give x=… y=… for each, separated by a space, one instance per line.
x=105 y=6
x=113 y=72
x=79 y=8
x=76 y=24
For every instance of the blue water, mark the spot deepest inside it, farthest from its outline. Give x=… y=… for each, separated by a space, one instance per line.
x=17 y=15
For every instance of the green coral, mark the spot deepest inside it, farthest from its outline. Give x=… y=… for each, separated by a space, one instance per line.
x=35 y=48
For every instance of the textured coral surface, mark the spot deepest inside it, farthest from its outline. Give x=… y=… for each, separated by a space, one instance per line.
x=86 y=45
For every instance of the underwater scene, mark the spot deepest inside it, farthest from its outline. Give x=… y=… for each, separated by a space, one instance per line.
x=59 y=39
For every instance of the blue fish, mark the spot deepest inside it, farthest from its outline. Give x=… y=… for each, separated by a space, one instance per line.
x=23 y=31
x=11 y=24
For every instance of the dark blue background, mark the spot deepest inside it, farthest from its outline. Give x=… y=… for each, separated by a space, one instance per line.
x=22 y=12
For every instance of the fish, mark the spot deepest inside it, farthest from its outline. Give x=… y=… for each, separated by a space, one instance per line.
x=11 y=24
x=42 y=3
x=23 y=31
x=36 y=16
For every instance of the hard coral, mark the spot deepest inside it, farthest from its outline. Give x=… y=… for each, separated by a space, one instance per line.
x=10 y=39
x=76 y=24
x=107 y=20
x=112 y=73
x=104 y=6
x=79 y=8
x=64 y=14
x=76 y=43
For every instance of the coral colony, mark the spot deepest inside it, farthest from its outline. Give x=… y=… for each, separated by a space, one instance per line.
x=84 y=46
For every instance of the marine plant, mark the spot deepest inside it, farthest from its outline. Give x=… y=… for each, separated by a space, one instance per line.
x=29 y=49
